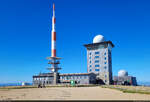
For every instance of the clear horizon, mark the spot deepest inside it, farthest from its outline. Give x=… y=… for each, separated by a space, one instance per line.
x=25 y=35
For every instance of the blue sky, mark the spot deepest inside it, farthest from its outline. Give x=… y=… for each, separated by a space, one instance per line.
x=25 y=28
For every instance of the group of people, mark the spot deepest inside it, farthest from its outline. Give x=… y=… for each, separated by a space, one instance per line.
x=40 y=85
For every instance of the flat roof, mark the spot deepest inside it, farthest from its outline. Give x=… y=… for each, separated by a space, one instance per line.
x=65 y=74
x=74 y=74
x=43 y=75
x=105 y=42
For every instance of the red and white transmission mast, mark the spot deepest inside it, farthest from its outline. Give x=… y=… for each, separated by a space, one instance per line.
x=53 y=60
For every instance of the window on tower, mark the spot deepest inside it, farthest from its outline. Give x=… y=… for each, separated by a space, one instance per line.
x=97 y=65
x=96 y=69
x=96 y=56
x=96 y=61
x=96 y=52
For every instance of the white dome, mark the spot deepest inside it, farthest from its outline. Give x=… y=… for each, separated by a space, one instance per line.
x=122 y=73
x=98 y=39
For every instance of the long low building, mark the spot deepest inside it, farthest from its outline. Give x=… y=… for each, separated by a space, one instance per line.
x=79 y=78
x=43 y=78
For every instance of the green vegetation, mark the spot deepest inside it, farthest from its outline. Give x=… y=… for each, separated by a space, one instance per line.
x=129 y=89
x=134 y=91
x=16 y=87
x=50 y=86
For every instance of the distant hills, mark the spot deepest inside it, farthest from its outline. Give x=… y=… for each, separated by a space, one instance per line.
x=12 y=84
x=144 y=83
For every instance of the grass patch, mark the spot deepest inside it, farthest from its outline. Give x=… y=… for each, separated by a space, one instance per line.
x=16 y=87
x=133 y=91
x=49 y=86
x=128 y=89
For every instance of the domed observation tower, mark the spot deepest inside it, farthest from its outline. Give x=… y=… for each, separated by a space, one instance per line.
x=98 y=39
x=99 y=59
x=124 y=79
x=122 y=73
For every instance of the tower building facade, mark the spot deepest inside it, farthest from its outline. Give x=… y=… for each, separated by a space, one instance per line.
x=99 y=59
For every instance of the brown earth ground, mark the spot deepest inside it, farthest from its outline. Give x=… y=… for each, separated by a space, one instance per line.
x=69 y=93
